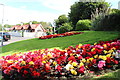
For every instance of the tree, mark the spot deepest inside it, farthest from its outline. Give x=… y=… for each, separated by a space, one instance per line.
x=61 y=20
x=84 y=10
x=65 y=28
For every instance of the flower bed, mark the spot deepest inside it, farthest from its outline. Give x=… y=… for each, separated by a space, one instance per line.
x=72 y=61
x=60 y=35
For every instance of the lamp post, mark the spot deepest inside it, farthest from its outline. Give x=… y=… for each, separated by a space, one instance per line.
x=2 y=24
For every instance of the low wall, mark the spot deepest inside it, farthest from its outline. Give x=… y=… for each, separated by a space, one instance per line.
x=27 y=34
x=34 y=34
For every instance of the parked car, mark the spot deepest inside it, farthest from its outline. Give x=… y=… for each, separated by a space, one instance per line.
x=6 y=36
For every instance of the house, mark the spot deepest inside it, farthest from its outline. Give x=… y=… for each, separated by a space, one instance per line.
x=29 y=30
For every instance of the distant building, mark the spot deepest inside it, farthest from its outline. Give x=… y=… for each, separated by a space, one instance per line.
x=30 y=30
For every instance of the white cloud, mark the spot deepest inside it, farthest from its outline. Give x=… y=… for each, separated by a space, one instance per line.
x=16 y=15
x=59 y=5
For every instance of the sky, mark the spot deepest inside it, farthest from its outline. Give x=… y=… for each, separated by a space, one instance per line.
x=17 y=11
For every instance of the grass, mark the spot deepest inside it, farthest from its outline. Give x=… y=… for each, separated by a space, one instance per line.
x=89 y=37
x=109 y=76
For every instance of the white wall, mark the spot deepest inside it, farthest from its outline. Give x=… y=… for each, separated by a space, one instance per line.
x=34 y=34
x=17 y=34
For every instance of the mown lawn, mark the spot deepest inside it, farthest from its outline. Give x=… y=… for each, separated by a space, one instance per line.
x=88 y=37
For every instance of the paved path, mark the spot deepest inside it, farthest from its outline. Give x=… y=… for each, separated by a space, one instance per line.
x=15 y=39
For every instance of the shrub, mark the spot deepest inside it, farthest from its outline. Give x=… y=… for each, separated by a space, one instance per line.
x=83 y=25
x=65 y=28
x=108 y=22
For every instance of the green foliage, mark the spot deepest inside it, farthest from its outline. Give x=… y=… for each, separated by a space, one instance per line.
x=61 y=20
x=83 y=25
x=115 y=11
x=84 y=10
x=65 y=28
x=108 y=22
x=35 y=22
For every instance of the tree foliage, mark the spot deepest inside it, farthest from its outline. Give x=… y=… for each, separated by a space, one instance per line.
x=84 y=10
x=110 y=22
x=66 y=27
x=61 y=20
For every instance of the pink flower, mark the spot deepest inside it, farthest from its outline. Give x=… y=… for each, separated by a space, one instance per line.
x=101 y=64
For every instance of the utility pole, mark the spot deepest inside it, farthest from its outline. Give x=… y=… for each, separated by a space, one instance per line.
x=2 y=24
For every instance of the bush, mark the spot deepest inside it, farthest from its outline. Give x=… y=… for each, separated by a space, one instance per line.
x=108 y=22
x=83 y=25
x=65 y=28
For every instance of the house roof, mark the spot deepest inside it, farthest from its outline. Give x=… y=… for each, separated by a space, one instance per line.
x=26 y=27
x=33 y=26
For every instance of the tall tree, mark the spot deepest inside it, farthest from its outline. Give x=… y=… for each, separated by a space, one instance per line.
x=84 y=10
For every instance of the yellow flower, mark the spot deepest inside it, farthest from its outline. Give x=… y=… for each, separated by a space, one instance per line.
x=54 y=63
x=92 y=49
x=105 y=46
x=45 y=57
x=108 y=55
x=73 y=72
x=23 y=63
x=88 y=61
x=79 y=46
x=10 y=61
x=83 y=60
x=102 y=57
x=31 y=63
x=110 y=51
x=74 y=64
x=71 y=67
x=81 y=64
x=114 y=48
x=95 y=56
x=49 y=55
x=71 y=54
x=91 y=59
x=105 y=51
x=95 y=43
x=70 y=62
x=43 y=61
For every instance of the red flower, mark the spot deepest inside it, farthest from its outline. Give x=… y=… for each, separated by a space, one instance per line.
x=94 y=61
x=115 y=61
x=80 y=57
x=36 y=74
x=47 y=66
x=71 y=58
x=59 y=68
x=108 y=60
x=109 y=66
x=25 y=72
x=81 y=70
